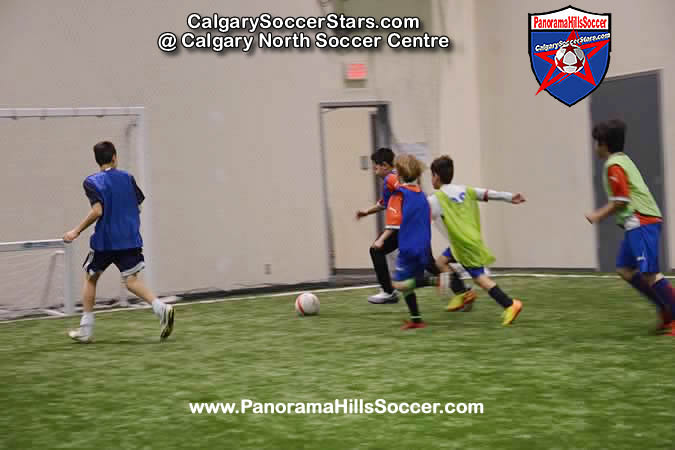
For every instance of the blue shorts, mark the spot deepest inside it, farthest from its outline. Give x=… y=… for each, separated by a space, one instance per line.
x=129 y=262
x=410 y=266
x=475 y=272
x=640 y=249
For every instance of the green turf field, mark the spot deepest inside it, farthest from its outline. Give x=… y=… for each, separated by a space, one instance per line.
x=577 y=370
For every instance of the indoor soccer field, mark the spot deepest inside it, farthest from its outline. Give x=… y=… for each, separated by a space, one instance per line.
x=578 y=369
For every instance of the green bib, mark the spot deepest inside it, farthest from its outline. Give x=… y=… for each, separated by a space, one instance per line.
x=461 y=217
x=641 y=199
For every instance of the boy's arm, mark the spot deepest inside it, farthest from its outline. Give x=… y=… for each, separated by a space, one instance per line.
x=484 y=195
x=140 y=197
x=390 y=185
x=95 y=212
x=379 y=242
x=618 y=183
x=435 y=207
x=602 y=213
x=366 y=212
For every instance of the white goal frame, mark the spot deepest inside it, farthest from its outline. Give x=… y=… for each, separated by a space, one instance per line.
x=69 y=283
x=142 y=177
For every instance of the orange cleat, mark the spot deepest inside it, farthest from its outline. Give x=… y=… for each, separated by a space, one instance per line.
x=409 y=325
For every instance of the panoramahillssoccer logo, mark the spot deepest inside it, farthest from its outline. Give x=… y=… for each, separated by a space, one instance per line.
x=569 y=52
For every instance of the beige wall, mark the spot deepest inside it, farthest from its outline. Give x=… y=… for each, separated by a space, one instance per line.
x=539 y=146
x=234 y=140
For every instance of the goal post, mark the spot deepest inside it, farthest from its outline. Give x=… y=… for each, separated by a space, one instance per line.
x=56 y=247
x=138 y=160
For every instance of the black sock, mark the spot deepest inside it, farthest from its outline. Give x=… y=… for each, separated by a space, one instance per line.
x=381 y=269
x=411 y=300
x=500 y=297
x=457 y=284
x=432 y=268
x=425 y=280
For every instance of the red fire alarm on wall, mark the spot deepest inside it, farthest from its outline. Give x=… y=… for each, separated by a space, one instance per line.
x=356 y=71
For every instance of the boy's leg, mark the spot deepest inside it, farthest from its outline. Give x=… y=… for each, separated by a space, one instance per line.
x=644 y=283
x=642 y=271
x=432 y=267
x=379 y=258
x=664 y=291
x=512 y=307
x=405 y=275
x=464 y=297
x=130 y=263
x=94 y=265
x=86 y=331
x=452 y=279
x=407 y=289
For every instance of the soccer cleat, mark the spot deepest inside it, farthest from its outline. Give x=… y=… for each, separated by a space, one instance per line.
x=662 y=328
x=410 y=325
x=166 y=322
x=80 y=336
x=510 y=313
x=666 y=324
x=462 y=300
x=383 y=297
x=467 y=308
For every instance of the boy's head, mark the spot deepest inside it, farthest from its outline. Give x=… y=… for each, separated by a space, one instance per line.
x=383 y=161
x=609 y=137
x=408 y=167
x=442 y=171
x=105 y=153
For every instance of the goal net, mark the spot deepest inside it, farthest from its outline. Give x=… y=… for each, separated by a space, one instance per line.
x=47 y=154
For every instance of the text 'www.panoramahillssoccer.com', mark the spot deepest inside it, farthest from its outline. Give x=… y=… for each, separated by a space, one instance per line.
x=338 y=406
x=223 y=34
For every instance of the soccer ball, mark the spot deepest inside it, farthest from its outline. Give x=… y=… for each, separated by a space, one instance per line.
x=307 y=304
x=570 y=59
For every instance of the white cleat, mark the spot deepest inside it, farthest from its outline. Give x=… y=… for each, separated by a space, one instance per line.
x=382 y=297
x=79 y=336
x=166 y=322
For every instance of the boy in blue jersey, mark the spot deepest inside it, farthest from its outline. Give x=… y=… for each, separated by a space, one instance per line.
x=387 y=241
x=414 y=236
x=115 y=207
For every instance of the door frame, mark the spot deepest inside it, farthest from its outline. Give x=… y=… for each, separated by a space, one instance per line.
x=381 y=105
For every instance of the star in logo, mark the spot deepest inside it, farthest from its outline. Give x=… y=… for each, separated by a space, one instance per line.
x=586 y=74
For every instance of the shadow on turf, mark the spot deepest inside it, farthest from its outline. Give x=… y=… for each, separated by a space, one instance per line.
x=98 y=342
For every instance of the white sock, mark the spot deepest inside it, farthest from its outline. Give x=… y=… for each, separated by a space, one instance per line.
x=158 y=307
x=87 y=323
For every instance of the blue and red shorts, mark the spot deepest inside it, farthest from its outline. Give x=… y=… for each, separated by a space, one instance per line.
x=475 y=272
x=640 y=249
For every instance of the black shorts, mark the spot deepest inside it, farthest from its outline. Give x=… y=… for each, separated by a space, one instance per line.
x=129 y=262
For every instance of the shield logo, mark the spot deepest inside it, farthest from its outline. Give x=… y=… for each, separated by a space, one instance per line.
x=569 y=52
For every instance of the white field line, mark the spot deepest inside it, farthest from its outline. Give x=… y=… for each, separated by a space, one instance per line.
x=173 y=299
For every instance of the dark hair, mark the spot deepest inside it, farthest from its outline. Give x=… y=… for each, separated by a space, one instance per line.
x=383 y=155
x=612 y=133
x=444 y=168
x=104 y=152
